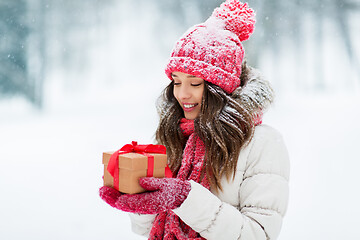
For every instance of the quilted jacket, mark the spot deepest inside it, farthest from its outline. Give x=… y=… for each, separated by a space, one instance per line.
x=251 y=205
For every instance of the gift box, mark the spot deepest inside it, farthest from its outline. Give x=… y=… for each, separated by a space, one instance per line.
x=124 y=168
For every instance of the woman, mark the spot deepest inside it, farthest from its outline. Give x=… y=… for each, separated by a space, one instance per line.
x=230 y=171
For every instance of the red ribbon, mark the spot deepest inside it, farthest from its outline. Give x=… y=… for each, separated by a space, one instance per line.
x=113 y=166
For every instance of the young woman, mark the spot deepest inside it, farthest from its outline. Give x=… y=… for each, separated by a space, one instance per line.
x=230 y=171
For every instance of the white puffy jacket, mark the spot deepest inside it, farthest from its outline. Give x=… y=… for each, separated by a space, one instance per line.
x=250 y=207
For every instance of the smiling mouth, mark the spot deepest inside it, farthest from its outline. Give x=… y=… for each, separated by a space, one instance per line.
x=189 y=107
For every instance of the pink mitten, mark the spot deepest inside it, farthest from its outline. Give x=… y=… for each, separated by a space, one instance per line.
x=165 y=194
x=109 y=195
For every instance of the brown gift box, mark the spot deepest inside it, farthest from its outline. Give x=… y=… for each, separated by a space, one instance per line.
x=133 y=166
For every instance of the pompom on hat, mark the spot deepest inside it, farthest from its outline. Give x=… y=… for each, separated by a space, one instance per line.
x=212 y=50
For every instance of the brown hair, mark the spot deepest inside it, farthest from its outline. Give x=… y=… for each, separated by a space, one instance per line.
x=224 y=125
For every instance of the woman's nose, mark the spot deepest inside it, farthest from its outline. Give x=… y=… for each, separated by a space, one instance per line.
x=184 y=92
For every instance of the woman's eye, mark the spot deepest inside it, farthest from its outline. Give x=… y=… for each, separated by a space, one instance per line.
x=195 y=85
x=176 y=83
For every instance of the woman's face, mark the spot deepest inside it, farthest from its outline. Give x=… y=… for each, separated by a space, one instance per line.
x=188 y=91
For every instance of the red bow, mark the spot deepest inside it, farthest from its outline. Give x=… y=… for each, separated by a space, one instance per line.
x=113 y=167
x=148 y=148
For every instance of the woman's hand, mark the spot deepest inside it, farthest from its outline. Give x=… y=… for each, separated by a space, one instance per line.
x=163 y=194
x=109 y=195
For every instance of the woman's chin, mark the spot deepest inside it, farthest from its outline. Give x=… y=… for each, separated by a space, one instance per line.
x=190 y=116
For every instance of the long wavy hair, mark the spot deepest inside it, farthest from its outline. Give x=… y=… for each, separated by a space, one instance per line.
x=225 y=125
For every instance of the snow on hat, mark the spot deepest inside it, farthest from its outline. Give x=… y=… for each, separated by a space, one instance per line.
x=212 y=50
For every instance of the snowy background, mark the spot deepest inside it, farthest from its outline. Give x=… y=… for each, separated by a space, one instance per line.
x=101 y=72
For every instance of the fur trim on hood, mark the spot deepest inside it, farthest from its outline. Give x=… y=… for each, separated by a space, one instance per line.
x=257 y=94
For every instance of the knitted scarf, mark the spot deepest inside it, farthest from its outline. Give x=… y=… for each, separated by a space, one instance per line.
x=168 y=225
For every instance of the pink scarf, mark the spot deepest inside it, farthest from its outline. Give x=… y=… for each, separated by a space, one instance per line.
x=168 y=225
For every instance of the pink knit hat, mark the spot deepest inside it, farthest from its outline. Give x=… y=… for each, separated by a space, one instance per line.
x=212 y=50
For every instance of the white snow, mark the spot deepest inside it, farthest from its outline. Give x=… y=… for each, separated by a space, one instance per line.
x=322 y=135
x=50 y=165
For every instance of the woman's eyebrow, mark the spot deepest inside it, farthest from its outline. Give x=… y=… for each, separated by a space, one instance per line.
x=189 y=76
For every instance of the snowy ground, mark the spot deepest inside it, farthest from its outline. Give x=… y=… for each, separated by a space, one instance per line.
x=322 y=134
x=50 y=164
